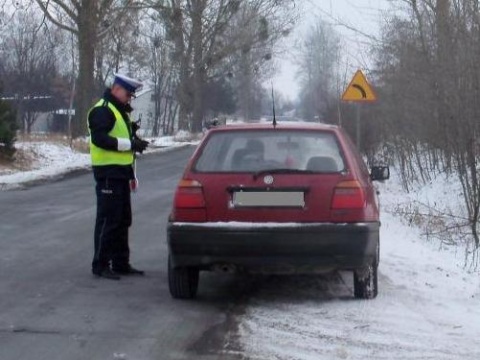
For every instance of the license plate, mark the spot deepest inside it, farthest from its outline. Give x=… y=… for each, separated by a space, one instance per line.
x=269 y=199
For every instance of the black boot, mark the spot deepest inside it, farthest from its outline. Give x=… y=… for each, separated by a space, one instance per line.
x=106 y=273
x=128 y=270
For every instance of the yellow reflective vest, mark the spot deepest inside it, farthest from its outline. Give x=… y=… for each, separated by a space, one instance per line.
x=102 y=157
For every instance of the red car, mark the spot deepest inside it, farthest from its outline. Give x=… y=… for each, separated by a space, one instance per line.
x=294 y=198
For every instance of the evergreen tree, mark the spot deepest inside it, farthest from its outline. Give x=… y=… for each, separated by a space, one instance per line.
x=8 y=129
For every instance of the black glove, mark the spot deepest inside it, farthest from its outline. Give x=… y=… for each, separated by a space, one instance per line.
x=135 y=127
x=139 y=145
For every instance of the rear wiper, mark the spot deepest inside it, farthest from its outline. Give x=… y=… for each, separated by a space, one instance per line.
x=281 y=171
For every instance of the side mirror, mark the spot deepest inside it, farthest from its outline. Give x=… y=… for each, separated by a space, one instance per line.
x=380 y=173
x=211 y=124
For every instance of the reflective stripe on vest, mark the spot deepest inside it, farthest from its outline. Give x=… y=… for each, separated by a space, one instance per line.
x=102 y=157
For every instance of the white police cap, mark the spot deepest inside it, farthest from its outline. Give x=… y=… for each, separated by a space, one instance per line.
x=129 y=84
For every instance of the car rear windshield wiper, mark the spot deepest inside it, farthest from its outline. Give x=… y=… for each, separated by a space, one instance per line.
x=281 y=171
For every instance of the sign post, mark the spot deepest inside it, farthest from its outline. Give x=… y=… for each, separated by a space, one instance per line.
x=357 y=120
x=359 y=91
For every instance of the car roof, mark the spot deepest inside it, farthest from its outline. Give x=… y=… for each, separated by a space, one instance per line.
x=280 y=126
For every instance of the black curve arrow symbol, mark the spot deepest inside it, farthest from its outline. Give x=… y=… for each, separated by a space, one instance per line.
x=361 y=89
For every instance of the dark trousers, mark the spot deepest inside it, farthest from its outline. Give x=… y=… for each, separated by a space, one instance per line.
x=114 y=217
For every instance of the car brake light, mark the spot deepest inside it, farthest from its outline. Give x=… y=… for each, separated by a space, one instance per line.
x=189 y=202
x=189 y=195
x=348 y=195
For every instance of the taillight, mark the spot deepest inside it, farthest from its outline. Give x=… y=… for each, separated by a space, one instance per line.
x=189 y=202
x=348 y=195
x=189 y=194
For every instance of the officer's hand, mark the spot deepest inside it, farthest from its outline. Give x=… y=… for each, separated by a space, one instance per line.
x=135 y=126
x=139 y=145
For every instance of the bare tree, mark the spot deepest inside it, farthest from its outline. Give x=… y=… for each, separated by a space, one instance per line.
x=318 y=60
x=29 y=66
x=206 y=32
x=430 y=75
x=89 y=21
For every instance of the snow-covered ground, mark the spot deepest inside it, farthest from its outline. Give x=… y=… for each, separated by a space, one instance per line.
x=429 y=301
x=47 y=160
x=53 y=159
x=428 y=306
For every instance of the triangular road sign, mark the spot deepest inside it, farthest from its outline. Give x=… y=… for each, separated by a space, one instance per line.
x=359 y=90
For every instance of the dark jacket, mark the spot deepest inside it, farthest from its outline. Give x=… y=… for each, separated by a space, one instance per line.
x=101 y=121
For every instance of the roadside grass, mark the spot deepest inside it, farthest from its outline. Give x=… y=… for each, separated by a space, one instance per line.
x=22 y=160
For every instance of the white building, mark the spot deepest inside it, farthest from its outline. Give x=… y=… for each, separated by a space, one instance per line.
x=144 y=109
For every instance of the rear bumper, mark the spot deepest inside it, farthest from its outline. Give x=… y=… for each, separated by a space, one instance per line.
x=274 y=247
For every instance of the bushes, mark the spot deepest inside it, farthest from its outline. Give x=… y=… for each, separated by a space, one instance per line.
x=8 y=129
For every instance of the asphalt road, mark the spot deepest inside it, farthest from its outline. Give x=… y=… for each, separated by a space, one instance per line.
x=51 y=307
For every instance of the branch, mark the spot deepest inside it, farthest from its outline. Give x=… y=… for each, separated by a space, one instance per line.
x=145 y=5
x=338 y=22
x=65 y=8
x=77 y=5
x=53 y=20
x=120 y=11
x=104 y=6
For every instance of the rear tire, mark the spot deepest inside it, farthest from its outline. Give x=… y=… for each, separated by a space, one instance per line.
x=365 y=282
x=182 y=281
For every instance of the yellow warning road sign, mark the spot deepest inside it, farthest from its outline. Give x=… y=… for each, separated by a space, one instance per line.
x=359 y=90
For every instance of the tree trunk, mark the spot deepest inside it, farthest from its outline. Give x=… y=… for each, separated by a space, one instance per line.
x=166 y=104
x=86 y=50
x=30 y=118
x=444 y=59
x=246 y=85
x=157 y=103
x=198 y=67
x=181 y=58
x=172 y=115
x=21 y=114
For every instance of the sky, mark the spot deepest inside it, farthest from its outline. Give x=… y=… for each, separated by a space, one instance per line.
x=363 y=15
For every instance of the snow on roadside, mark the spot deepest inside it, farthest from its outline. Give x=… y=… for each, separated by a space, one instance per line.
x=427 y=308
x=433 y=207
x=182 y=138
x=50 y=159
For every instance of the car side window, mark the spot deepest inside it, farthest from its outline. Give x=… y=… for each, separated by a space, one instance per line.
x=212 y=157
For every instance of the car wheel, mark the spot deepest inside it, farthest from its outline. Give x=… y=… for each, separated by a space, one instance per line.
x=182 y=281
x=365 y=282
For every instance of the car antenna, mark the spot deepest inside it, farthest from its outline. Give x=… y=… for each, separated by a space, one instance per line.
x=274 y=123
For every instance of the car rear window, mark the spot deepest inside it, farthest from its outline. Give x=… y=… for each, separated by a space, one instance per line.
x=256 y=150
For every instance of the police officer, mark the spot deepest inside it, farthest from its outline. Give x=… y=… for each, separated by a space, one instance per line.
x=113 y=144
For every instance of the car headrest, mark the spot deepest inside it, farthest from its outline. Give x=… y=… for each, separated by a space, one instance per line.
x=322 y=164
